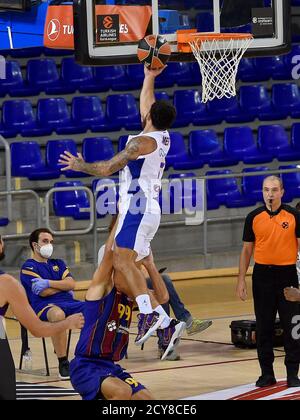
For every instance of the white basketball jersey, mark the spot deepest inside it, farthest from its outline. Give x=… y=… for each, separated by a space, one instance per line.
x=146 y=171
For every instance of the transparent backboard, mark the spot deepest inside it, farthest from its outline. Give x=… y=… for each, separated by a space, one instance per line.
x=108 y=31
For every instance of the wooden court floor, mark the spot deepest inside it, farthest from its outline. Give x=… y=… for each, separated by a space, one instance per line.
x=209 y=362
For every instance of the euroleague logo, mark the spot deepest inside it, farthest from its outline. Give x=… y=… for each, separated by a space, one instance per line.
x=53 y=29
x=108 y=22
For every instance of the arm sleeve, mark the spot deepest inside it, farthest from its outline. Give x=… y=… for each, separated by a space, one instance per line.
x=27 y=275
x=248 y=235
x=65 y=272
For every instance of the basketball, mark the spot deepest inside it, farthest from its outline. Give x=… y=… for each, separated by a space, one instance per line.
x=154 y=51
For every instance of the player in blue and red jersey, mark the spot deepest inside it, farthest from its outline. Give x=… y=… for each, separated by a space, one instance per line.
x=104 y=340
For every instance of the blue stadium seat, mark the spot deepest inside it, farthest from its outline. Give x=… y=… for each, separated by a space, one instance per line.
x=178 y=156
x=273 y=139
x=291 y=183
x=270 y=68
x=135 y=75
x=226 y=191
x=190 y=109
x=255 y=100
x=239 y=143
x=229 y=109
x=122 y=109
x=4 y=221
x=196 y=78
x=122 y=143
x=295 y=137
x=175 y=74
x=18 y=117
x=98 y=83
x=114 y=75
x=252 y=185
x=54 y=113
x=54 y=148
x=13 y=81
x=107 y=196
x=162 y=96
x=168 y=77
x=286 y=99
x=74 y=75
x=247 y=72
x=27 y=161
x=204 y=145
x=187 y=196
x=88 y=112
x=95 y=149
x=43 y=75
x=71 y=203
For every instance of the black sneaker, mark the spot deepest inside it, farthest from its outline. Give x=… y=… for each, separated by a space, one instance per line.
x=265 y=380
x=293 y=382
x=64 y=370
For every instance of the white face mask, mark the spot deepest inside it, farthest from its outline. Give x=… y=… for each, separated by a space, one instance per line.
x=46 y=250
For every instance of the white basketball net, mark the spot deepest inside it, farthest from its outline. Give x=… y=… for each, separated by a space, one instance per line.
x=219 y=60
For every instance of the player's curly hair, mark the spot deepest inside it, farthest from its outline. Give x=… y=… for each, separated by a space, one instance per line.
x=162 y=115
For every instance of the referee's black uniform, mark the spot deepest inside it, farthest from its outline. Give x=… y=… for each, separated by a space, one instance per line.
x=274 y=235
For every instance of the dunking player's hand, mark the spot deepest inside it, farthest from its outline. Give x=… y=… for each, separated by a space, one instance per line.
x=154 y=72
x=72 y=162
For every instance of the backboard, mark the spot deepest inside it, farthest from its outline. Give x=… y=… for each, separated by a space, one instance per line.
x=108 y=31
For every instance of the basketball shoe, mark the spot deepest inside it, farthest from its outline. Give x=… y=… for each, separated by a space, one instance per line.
x=147 y=324
x=168 y=339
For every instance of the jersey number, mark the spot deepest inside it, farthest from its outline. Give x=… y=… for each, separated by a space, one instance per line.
x=124 y=310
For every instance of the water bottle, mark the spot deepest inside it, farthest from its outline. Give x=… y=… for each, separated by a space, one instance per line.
x=27 y=360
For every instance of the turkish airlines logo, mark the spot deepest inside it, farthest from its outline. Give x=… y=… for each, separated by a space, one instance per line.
x=53 y=29
x=108 y=22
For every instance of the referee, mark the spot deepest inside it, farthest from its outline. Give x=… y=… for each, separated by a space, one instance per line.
x=273 y=233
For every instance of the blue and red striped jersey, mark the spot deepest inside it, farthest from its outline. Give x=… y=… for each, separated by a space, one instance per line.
x=105 y=333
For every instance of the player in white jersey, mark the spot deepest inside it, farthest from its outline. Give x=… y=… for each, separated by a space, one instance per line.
x=143 y=162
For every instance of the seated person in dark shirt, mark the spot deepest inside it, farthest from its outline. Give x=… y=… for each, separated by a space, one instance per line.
x=49 y=284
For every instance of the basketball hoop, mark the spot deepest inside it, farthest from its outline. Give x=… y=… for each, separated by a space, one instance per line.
x=218 y=56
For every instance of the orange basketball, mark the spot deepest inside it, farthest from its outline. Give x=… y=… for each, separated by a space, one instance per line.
x=154 y=51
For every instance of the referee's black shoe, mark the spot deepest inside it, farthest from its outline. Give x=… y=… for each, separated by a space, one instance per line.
x=265 y=380
x=293 y=382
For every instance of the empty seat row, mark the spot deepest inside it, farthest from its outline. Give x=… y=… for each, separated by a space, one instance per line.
x=53 y=115
x=220 y=192
x=239 y=145
x=42 y=75
x=204 y=147
x=252 y=102
x=27 y=160
x=87 y=112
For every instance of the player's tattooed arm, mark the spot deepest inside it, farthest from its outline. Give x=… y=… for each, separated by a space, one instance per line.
x=136 y=147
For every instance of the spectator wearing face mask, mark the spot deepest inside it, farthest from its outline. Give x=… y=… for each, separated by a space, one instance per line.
x=49 y=285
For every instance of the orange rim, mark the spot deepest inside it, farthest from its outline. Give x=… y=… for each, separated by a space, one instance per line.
x=184 y=37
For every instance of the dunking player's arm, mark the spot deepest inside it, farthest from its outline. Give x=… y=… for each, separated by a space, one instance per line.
x=139 y=146
x=147 y=97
